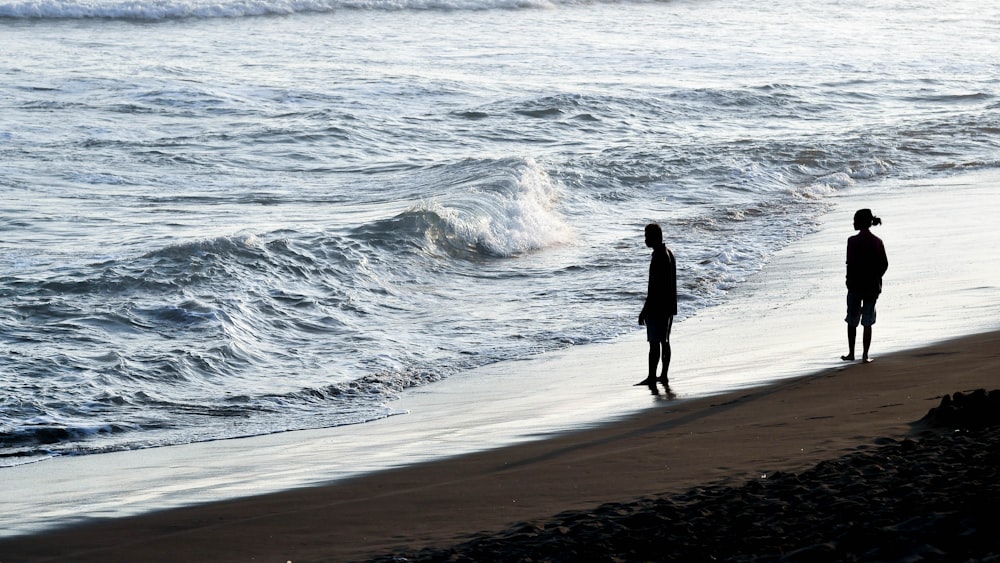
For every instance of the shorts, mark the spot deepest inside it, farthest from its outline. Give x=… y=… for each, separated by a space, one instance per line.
x=860 y=309
x=658 y=330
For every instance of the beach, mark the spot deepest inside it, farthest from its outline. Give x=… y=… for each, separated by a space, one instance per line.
x=469 y=458
x=729 y=439
x=340 y=280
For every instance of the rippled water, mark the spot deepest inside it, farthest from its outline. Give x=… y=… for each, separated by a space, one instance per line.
x=225 y=219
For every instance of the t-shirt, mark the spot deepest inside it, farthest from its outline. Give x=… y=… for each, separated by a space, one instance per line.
x=661 y=295
x=866 y=264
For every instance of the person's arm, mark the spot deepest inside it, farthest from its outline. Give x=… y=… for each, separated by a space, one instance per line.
x=645 y=307
x=673 y=282
x=849 y=260
x=649 y=290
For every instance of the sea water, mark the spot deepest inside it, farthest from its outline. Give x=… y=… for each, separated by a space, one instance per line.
x=230 y=218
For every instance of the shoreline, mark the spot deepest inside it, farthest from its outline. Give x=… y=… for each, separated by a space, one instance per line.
x=786 y=426
x=781 y=326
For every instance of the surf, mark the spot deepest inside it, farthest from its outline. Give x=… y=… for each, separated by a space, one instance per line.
x=183 y=9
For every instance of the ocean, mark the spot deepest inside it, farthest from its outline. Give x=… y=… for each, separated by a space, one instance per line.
x=230 y=218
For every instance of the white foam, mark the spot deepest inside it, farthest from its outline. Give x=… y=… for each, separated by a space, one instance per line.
x=173 y=9
x=506 y=223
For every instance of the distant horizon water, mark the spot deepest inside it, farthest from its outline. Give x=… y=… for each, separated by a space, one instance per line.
x=226 y=219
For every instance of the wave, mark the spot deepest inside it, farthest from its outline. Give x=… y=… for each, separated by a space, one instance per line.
x=152 y=10
x=500 y=211
x=32 y=432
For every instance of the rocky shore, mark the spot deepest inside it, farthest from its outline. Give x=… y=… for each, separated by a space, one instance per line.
x=930 y=497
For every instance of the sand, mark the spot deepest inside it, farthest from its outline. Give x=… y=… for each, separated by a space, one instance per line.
x=750 y=436
x=929 y=499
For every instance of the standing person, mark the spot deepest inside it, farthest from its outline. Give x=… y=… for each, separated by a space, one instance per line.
x=866 y=264
x=661 y=305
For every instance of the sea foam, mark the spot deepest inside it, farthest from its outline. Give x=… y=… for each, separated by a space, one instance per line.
x=519 y=217
x=177 y=9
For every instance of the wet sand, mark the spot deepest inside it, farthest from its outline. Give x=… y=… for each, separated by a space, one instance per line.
x=725 y=447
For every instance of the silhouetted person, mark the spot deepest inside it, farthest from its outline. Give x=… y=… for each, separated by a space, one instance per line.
x=661 y=305
x=866 y=264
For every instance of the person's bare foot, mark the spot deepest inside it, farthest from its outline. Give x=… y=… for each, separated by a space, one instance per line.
x=848 y=358
x=647 y=382
x=867 y=360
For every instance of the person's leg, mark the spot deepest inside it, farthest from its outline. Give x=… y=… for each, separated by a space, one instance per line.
x=867 y=320
x=666 y=360
x=665 y=352
x=654 y=359
x=866 y=341
x=654 y=335
x=853 y=318
x=852 y=334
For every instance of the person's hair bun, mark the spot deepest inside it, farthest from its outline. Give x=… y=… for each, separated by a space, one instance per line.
x=876 y=220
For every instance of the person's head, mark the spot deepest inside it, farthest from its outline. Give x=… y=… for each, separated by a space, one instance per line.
x=864 y=219
x=654 y=235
